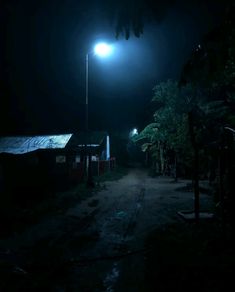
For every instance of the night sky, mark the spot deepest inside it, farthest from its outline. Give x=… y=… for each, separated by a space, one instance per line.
x=43 y=48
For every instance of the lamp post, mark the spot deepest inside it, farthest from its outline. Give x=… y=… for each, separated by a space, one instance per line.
x=87 y=153
x=101 y=50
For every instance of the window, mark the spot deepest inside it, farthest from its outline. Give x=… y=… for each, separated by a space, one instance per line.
x=60 y=159
x=77 y=158
x=94 y=158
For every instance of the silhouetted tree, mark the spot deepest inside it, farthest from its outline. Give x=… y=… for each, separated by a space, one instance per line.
x=129 y=16
x=211 y=69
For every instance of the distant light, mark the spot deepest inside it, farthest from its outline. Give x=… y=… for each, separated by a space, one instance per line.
x=135 y=132
x=103 y=49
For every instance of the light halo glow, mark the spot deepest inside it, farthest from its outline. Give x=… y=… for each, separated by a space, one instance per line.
x=102 y=49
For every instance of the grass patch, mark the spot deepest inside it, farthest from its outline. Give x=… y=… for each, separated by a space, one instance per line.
x=17 y=218
x=112 y=175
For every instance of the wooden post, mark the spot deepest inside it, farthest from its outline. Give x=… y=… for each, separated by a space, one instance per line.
x=176 y=172
x=196 y=166
x=196 y=184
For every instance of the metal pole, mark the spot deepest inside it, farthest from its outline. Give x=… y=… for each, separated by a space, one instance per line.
x=86 y=117
x=87 y=153
x=87 y=72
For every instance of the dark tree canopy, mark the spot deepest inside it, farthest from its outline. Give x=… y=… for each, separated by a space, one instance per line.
x=213 y=55
x=129 y=16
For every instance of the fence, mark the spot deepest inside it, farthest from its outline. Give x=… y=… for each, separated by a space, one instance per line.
x=98 y=167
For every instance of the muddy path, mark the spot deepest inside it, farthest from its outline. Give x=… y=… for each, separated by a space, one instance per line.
x=98 y=244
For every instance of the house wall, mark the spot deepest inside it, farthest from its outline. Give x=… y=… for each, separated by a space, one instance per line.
x=36 y=173
x=1 y=179
x=21 y=177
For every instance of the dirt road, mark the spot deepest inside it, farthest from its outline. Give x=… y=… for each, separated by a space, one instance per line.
x=99 y=244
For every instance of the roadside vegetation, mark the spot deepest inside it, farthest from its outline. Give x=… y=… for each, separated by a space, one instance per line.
x=191 y=133
x=115 y=174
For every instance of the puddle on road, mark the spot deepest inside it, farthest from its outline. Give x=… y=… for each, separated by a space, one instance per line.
x=138 y=206
x=120 y=215
x=111 y=278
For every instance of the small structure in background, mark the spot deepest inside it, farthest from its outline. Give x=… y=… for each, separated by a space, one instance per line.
x=98 y=146
x=50 y=161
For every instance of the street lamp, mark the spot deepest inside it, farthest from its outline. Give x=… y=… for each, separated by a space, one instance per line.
x=133 y=132
x=100 y=50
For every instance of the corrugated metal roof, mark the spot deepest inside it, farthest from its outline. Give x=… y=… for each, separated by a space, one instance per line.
x=21 y=145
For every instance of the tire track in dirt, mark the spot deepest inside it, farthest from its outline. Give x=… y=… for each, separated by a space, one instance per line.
x=133 y=219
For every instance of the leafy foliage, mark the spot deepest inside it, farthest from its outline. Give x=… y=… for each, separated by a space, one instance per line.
x=194 y=120
x=150 y=133
x=167 y=136
x=129 y=16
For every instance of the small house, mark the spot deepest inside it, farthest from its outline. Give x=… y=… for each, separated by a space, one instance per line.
x=50 y=161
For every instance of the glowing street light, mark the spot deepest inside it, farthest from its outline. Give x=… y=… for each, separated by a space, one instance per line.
x=101 y=50
x=133 y=132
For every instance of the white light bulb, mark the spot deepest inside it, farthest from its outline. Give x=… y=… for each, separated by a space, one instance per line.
x=102 y=49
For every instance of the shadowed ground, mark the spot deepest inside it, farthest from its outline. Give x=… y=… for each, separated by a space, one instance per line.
x=125 y=237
